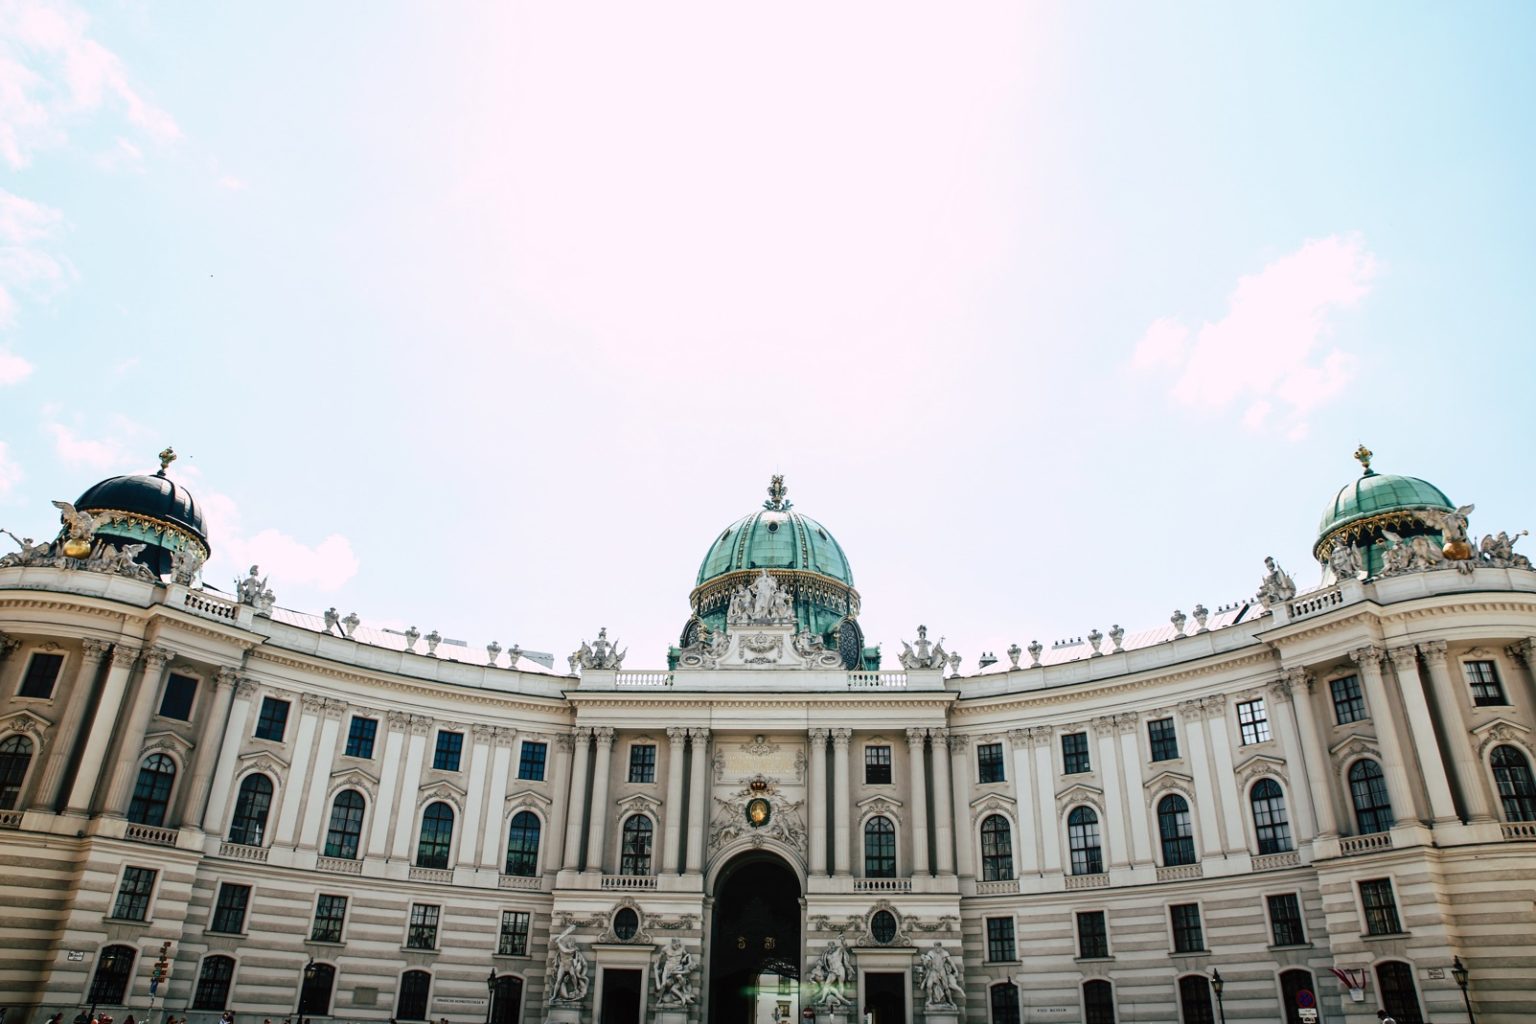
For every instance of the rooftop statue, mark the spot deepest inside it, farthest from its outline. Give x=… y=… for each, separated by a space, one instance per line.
x=30 y=553
x=254 y=592
x=1345 y=561
x=923 y=654
x=600 y=654
x=186 y=563
x=79 y=530
x=1276 y=586
x=1499 y=551
x=762 y=603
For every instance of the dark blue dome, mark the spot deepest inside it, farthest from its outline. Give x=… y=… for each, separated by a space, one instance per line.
x=154 y=497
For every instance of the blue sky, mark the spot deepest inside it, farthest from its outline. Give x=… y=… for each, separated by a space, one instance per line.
x=490 y=318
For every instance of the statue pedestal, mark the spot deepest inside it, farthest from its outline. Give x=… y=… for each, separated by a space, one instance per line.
x=837 y=1016
x=941 y=1016
x=671 y=1017
x=564 y=1015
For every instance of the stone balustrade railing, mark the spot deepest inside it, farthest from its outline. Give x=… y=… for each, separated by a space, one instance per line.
x=439 y=875
x=1321 y=601
x=629 y=881
x=239 y=851
x=642 y=680
x=1519 y=829
x=531 y=882
x=882 y=885
x=1371 y=842
x=1098 y=881
x=1003 y=887
x=150 y=834
x=877 y=680
x=1180 y=872
x=1276 y=861
x=339 y=865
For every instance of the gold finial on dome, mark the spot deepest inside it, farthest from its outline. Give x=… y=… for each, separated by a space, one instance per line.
x=167 y=457
x=776 y=493
x=1364 y=455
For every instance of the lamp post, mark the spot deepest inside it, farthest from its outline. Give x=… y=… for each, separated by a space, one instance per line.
x=1216 y=986
x=1461 y=974
x=490 y=994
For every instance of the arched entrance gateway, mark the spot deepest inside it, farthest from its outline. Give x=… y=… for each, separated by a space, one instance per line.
x=754 y=950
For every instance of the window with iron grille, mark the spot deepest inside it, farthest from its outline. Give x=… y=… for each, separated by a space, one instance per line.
x=229 y=909
x=1074 y=754
x=450 y=747
x=213 y=981
x=176 y=702
x=1092 y=935
x=1368 y=790
x=1175 y=830
x=877 y=765
x=152 y=791
x=273 y=720
x=1517 y=788
x=1195 y=999
x=133 y=894
x=635 y=847
x=530 y=762
x=330 y=915
x=879 y=848
x=1083 y=841
x=114 y=970
x=436 y=842
x=414 y=989
x=1348 y=702
x=1004 y=1000
x=513 y=940
x=248 y=827
x=642 y=762
x=1000 y=939
x=1098 y=1002
x=345 y=833
x=523 y=844
x=1394 y=980
x=996 y=849
x=15 y=758
x=1285 y=919
x=1380 y=907
x=422 y=933
x=1164 y=737
x=1188 y=937
x=989 y=762
x=360 y=737
x=1253 y=721
x=42 y=674
x=1270 y=824
x=1487 y=691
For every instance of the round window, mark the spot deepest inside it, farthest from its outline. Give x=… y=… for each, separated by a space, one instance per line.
x=625 y=924
x=883 y=926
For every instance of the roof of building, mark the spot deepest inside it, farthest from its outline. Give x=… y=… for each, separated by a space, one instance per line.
x=775 y=537
x=1374 y=493
x=154 y=496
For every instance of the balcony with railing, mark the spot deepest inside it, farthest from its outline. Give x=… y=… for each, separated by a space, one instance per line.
x=339 y=865
x=1276 y=861
x=441 y=876
x=150 y=834
x=1094 y=881
x=629 y=882
x=240 y=851
x=1180 y=872
x=532 y=883
x=1519 y=829
x=1371 y=842
x=882 y=885
x=1001 y=887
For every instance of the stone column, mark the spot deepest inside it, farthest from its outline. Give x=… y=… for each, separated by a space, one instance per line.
x=672 y=832
x=194 y=795
x=229 y=754
x=1421 y=731
x=1387 y=735
x=1192 y=714
x=1051 y=826
x=390 y=767
x=698 y=799
x=918 y=781
x=1319 y=776
x=410 y=788
x=155 y=665
x=475 y=816
x=1282 y=698
x=1219 y=730
x=960 y=779
x=575 y=826
x=1525 y=653
x=597 y=829
x=1116 y=834
x=817 y=799
x=841 y=827
x=1472 y=778
x=317 y=815
x=1130 y=763
x=560 y=811
x=291 y=798
x=943 y=812
x=492 y=845
x=1021 y=756
x=67 y=730
x=102 y=727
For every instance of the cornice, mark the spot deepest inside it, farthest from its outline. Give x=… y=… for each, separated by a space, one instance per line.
x=703 y=701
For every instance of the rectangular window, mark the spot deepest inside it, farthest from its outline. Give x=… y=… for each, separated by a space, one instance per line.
x=1092 y=935
x=450 y=747
x=1074 y=754
x=1252 y=721
x=330 y=915
x=1187 y=934
x=273 y=721
x=1285 y=920
x=360 y=736
x=42 y=674
x=133 y=895
x=1164 y=738
x=999 y=939
x=423 y=930
x=877 y=765
x=989 y=762
x=642 y=762
x=530 y=763
x=1380 y=907
x=514 y=934
x=1348 y=703
x=177 y=701
x=229 y=909
x=1487 y=691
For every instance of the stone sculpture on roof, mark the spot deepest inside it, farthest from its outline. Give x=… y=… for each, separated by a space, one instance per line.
x=1276 y=586
x=922 y=653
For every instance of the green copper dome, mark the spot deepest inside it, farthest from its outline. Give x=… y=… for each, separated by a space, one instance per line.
x=775 y=538
x=1375 y=501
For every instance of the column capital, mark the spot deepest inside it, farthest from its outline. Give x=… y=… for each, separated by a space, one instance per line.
x=8 y=644
x=1405 y=658
x=1021 y=737
x=420 y=725
x=312 y=703
x=1042 y=735
x=124 y=656
x=157 y=658
x=1280 y=689
x=840 y=738
x=938 y=733
x=676 y=734
x=225 y=677
x=915 y=736
x=483 y=733
x=1214 y=705
x=1369 y=655
x=246 y=687
x=1104 y=725
x=334 y=709
x=1191 y=710
x=959 y=743
x=819 y=738
x=398 y=719
x=506 y=736
x=699 y=734
x=1523 y=650
x=583 y=733
x=604 y=735
x=1433 y=651
x=1298 y=677
x=564 y=741
x=94 y=650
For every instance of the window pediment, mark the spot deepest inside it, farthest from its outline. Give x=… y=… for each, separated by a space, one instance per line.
x=25 y=721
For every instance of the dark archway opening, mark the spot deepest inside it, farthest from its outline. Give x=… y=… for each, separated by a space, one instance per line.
x=754 y=952
x=507 y=1000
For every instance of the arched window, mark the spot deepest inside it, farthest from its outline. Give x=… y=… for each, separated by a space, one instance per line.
x=1098 y=1002
x=996 y=849
x=436 y=836
x=1368 y=789
x=1517 y=790
x=1177 y=834
x=523 y=845
x=249 y=826
x=346 y=831
x=1292 y=984
x=1270 y=823
x=15 y=756
x=315 y=996
x=1399 y=997
x=213 y=982
x=879 y=848
x=1004 y=1000
x=1195 y=999
x=414 y=987
x=1083 y=839
x=114 y=970
x=152 y=793
x=635 y=847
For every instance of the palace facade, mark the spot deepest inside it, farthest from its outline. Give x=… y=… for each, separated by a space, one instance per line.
x=1307 y=806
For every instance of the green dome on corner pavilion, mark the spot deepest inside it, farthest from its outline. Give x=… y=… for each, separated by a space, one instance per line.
x=775 y=537
x=1374 y=501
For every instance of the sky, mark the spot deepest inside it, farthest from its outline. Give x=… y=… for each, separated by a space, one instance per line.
x=488 y=318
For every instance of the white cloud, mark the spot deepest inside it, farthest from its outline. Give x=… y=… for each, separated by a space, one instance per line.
x=1271 y=349
x=230 y=183
x=123 y=156
x=10 y=472
x=24 y=264
x=287 y=561
x=80 y=451
x=13 y=368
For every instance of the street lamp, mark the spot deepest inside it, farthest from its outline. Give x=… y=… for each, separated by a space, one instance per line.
x=490 y=994
x=1461 y=974
x=1216 y=986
